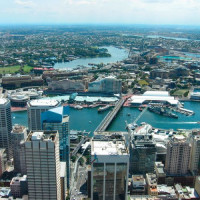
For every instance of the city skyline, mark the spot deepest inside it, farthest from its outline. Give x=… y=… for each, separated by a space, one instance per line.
x=155 y=12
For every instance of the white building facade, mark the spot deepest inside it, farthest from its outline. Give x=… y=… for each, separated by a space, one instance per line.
x=109 y=170
x=35 y=108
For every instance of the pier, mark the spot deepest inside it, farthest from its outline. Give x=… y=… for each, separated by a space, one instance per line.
x=110 y=116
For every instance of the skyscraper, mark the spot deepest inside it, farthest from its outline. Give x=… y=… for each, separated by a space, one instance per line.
x=178 y=156
x=109 y=169
x=142 y=154
x=195 y=155
x=57 y=119
x=43 y=165
x=35 y=108
x=5 y=126
x=18 y=134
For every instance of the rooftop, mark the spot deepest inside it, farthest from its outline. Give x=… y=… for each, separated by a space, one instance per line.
x=42 y=136
x=3 y=101
x=44 y=102
x=18 y=129
x=108 y=148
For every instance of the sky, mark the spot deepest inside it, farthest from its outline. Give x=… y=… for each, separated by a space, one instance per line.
x=170 y=12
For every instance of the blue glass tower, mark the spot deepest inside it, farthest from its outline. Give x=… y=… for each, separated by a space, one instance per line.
x=57 y=119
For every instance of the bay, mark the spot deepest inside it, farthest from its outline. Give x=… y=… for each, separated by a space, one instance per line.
x=116 y=55
x=89 y=118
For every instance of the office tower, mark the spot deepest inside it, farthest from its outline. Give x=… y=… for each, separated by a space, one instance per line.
x=43 y=165
x=35 y=108
x=195 y=155
x=5 y=127
x=109 y=169
x=142 y=154
x=18 y=186
x=63 y=180
x=3 y=160
x=18 y=134
x=57 y=119
x=22 y=158
x=178 y=156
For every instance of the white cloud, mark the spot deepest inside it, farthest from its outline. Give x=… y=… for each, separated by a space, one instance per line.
x=25 y=3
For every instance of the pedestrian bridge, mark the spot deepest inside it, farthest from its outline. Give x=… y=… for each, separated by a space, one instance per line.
x=110 y=116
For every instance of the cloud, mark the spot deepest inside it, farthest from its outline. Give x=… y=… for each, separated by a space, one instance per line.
x=25 y=3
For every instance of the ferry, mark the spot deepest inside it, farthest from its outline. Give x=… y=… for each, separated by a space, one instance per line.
x=103 y=108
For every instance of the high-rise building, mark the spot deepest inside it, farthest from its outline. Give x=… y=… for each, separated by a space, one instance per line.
x=43 y=165
x=5 y=126
x=142 y=154
x=109 y=169
x=195 y=155
x=18 y=186
x=18 y=134
x=3 y=160
x=35 y=108
x=57 y=119
x=178 y=156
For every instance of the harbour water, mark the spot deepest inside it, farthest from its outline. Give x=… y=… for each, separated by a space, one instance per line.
x=88 y=118
x=116 y=55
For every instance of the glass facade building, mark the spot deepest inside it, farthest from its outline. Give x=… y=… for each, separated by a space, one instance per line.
x=57 y=119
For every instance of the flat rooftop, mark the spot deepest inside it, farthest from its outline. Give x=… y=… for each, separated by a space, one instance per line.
x=3 y=101
x=18 y=129
x=42 y=136
x=44 y=102
x=108 y=148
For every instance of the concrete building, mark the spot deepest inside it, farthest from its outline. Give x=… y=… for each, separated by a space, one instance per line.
x=35 y=108
x=2 y=161
x=161 y=73
x=18 y=81
x=195 y=155
x=43 y=165
x=151 y=181
x=142 y=154
x=18 y=186
x=106 y=85
x=138 y=185
x=5 y=126
x=178 y=156
x=18 y=134
x=197 y=185
x=57 y=119
x=67 y=85
x=109 y=169
x=63 y=180
x=22 y=158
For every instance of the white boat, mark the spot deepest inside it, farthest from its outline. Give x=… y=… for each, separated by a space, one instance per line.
x=103 y=108
x=78 y=107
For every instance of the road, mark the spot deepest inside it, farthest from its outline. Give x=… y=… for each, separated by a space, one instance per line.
x=79 y=176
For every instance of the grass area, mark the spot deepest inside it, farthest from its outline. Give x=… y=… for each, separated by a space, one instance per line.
x=15 y=69
x=143 y=82
x=180 y=92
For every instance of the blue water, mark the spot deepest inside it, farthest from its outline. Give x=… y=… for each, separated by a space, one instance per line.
x=116 y=55
x=80 y=119
x=171 y=38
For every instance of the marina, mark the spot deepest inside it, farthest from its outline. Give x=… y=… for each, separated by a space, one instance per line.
x=79 y=119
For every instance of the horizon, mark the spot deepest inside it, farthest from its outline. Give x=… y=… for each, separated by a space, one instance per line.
x=111 y=12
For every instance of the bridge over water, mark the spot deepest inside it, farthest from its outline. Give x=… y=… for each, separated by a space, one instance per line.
x=110 y=116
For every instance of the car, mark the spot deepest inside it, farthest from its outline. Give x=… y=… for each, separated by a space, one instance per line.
x=79 y=192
